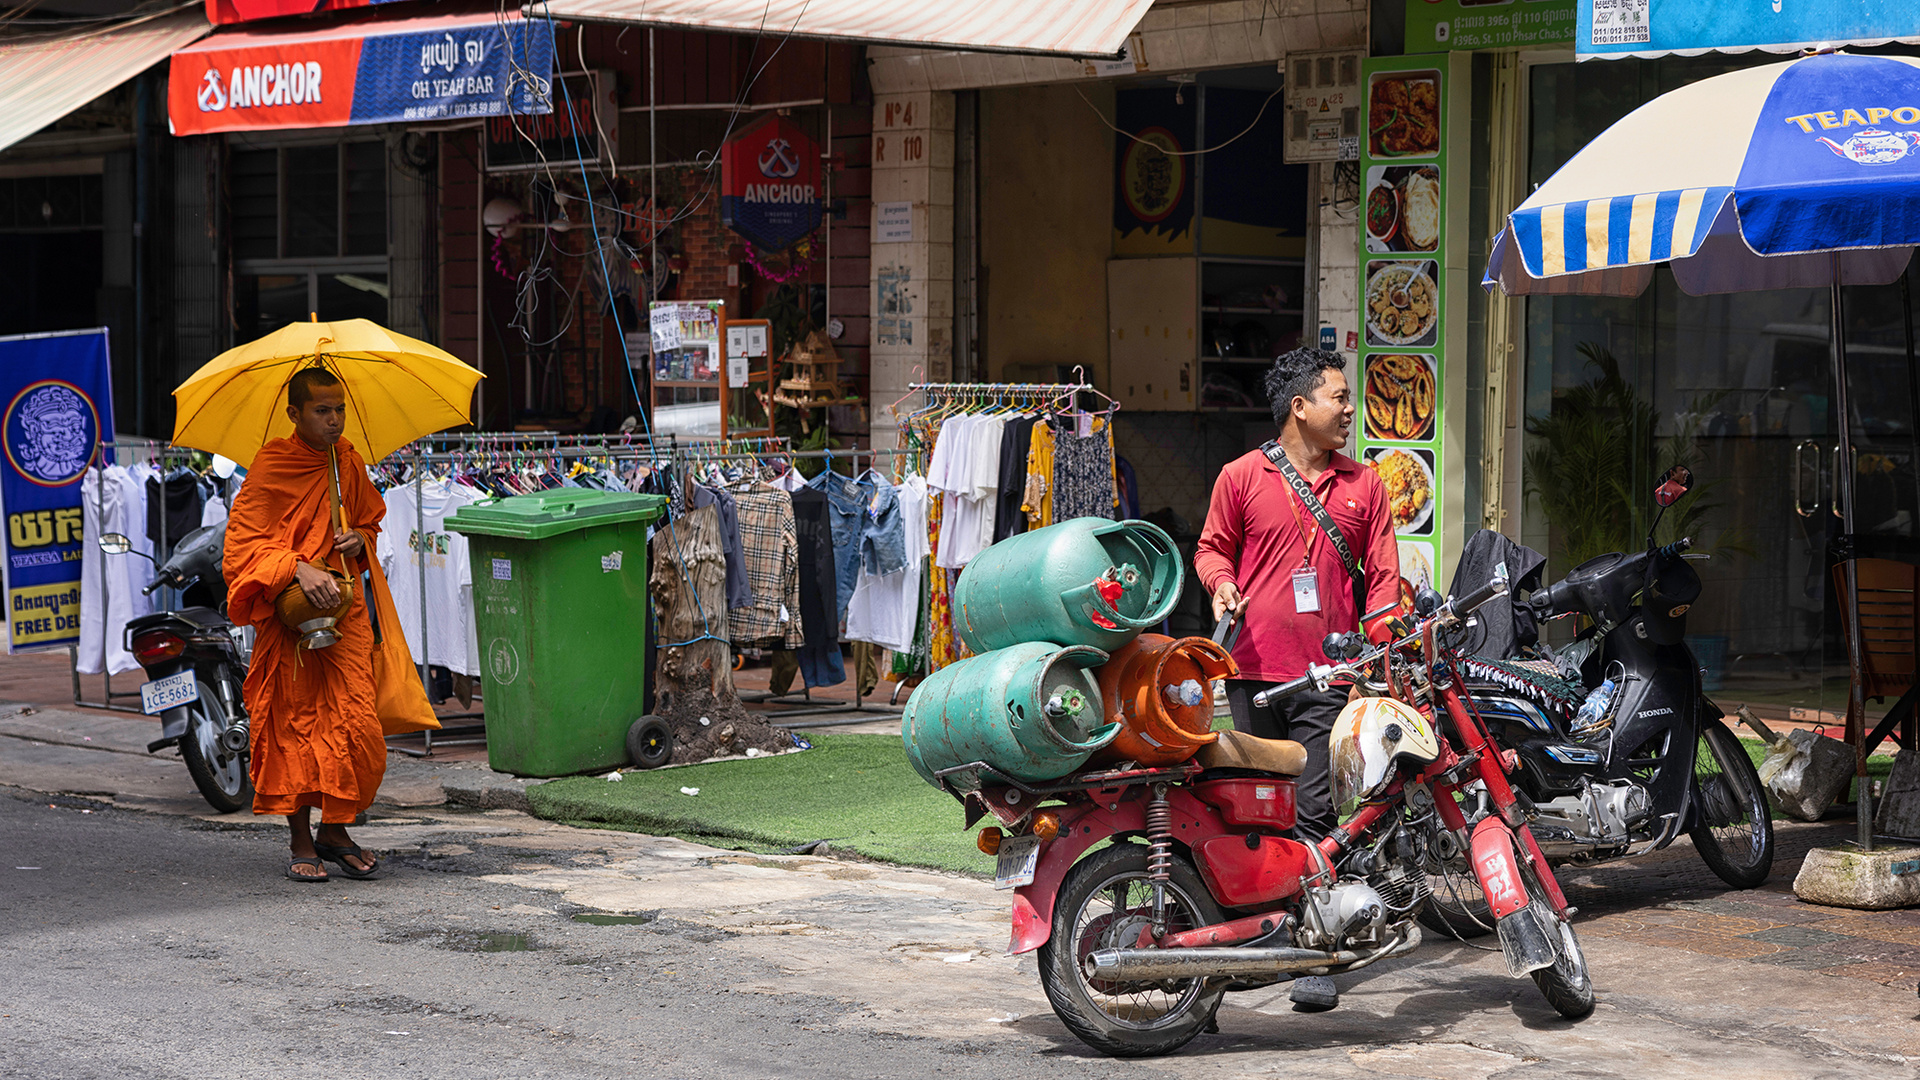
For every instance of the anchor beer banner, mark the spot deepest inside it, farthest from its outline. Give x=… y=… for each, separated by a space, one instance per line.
x=770 y=184
x=57 y=390
x=375 y=71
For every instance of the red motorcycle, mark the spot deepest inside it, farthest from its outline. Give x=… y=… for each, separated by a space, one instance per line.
x=1196 y=893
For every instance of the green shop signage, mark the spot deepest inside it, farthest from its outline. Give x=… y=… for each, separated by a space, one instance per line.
x=1403 y=364
x=1439 y=25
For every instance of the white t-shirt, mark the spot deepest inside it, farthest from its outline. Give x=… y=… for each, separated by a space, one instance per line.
x=885 y=607
x=449 y=633
x=969 y=477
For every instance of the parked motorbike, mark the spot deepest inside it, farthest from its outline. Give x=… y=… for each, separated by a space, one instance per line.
x=1634 y=755
x=1197 y=893
x=195 y=665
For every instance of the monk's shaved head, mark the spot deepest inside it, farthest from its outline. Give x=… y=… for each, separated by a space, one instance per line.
x=300 y=387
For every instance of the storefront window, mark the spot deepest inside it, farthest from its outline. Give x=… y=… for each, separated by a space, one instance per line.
x=309 y=227
x=1739 y=387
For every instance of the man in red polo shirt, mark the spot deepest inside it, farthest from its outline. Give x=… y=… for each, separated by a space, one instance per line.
x=1265 y=554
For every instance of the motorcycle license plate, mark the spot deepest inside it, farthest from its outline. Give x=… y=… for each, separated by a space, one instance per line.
x=1018 y=857
x=169 y=693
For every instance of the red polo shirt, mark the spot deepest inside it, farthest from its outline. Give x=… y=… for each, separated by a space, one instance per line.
x=1254 y=538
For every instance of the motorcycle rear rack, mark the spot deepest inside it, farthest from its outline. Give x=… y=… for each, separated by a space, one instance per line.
x=977 y=799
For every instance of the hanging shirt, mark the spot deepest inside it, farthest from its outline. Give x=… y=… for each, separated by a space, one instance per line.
x=173 y=509
x=448 y=637
x=772 y=552
x=103 y=625
x=885 y=607
x=970 y=483
x=1014 y=445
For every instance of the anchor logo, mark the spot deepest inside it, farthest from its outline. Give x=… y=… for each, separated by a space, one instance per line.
x=778 y=161
x=212 y=96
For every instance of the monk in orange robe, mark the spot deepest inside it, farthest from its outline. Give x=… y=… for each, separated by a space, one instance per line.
x=317 y=740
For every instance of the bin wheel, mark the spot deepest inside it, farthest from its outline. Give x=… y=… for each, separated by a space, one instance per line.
x=649 y=742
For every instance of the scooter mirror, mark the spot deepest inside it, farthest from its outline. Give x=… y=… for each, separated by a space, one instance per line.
x=1676 y=482
x=115 y=543
x=1426 y=602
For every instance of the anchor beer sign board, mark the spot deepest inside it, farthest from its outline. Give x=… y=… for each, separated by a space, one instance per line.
x=770 y=184
x=374 y=71
x=57 y=401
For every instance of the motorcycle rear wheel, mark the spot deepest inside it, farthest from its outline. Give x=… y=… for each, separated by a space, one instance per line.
x=1565 y=983
x=1104 y=902
x=1735 y=833
x=222 y=777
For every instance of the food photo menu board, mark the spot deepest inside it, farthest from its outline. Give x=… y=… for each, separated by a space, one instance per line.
x=1403 y=178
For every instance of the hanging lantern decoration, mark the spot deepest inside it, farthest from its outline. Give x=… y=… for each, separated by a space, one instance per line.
x=770 y=184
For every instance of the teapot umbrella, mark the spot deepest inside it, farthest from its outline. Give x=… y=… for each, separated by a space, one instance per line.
x=1799 y=174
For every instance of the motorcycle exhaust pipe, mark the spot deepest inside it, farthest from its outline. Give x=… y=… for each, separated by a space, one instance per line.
x=1145 y=965
x=1131 y=965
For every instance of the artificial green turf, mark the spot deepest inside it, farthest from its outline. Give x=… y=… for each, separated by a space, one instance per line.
x=854 y=790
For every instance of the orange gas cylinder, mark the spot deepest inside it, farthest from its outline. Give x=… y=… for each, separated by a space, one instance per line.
x=1160 y=690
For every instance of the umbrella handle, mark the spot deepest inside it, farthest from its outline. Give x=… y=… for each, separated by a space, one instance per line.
x=339 y=519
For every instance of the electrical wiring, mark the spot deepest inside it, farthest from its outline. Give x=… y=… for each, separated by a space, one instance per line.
x=1182 y=153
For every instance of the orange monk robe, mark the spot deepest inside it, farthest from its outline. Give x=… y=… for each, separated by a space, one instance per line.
x=317 y=739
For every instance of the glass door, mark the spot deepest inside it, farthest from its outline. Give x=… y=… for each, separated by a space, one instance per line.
x=1885 y=473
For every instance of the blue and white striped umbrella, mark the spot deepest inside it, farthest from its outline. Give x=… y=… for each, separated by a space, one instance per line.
x=1792 y=175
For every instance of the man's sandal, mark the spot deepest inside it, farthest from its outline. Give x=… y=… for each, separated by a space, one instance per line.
x=295 y=875
x=339 y=855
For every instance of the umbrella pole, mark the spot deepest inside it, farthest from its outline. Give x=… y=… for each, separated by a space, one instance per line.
x=1843 y=491
x=333 y=494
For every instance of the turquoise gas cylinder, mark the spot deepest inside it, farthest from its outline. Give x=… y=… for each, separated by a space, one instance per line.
x=1030 y=711
x=1088 y=581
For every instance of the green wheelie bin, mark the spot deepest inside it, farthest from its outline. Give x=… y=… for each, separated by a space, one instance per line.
x=560 y=610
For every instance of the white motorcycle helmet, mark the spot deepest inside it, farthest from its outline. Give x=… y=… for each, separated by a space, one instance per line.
x=1370 y=737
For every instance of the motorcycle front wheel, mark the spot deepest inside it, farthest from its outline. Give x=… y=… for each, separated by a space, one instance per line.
x=1735 y=831
x=1455 y=905
x=221 y=776
x=1564 y=983
x=1104 y=902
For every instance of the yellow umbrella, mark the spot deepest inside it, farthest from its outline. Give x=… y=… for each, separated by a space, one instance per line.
x=398 y=389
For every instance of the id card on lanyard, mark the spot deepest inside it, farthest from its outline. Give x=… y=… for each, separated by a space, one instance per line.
x=1306 y=578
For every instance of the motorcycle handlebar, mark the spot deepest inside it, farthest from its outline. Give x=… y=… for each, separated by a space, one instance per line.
x=1286 y=689
x=1480 y=597
x=151 y=589
x=1319 y=675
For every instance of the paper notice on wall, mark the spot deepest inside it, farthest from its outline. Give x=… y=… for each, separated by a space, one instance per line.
x=1622 y=22
x=893 y=223
x=665 y=325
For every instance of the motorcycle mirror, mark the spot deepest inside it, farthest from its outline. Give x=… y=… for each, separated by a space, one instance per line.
x=115 y=543
x=1676 y=482
x=1333 y=646
x=1426 y=602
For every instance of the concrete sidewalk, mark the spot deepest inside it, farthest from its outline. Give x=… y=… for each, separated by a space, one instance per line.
x=1693 y=979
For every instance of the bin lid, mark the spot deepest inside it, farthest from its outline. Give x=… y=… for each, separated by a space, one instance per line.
x=550 y=513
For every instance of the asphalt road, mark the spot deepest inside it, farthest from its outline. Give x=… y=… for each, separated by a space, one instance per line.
x=145 y=946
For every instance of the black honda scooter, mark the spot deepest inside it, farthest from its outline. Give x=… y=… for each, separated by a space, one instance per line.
x=1625 y=772
x=195 y=665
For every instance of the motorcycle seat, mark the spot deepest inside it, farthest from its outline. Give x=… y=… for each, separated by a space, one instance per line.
x=1239 y=750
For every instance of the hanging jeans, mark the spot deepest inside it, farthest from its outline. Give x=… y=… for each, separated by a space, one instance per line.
x=846 y=502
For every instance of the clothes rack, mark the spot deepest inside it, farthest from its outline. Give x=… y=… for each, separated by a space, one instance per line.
x=143 y=452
